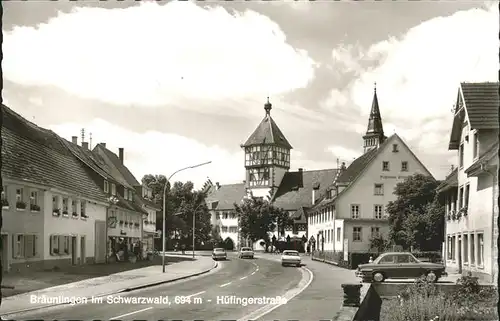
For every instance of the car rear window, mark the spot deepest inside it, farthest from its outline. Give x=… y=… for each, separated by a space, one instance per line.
x=218 y=250
x=291 y=253
x=246 y=249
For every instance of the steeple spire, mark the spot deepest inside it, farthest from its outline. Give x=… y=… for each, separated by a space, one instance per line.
x=375 y=132
x=268 y=106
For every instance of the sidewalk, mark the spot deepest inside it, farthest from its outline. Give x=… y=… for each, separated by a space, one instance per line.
x=108 y=285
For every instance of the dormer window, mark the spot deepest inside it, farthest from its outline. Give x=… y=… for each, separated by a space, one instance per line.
x=113 y=189
x=106 y=187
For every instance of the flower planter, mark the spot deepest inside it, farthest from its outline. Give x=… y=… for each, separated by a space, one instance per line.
x=20 y=206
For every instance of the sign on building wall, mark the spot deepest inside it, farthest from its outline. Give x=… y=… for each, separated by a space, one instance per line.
x=346 y=249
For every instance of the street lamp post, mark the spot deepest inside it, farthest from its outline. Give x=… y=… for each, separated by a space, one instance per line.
x=165 y=208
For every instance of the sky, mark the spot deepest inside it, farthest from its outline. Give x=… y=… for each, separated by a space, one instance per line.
x=181 y=83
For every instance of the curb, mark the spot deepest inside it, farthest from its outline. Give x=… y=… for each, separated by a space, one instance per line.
x=325 y=261
x=215 y=265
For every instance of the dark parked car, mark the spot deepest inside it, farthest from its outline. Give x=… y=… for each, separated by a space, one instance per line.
x=399 y=265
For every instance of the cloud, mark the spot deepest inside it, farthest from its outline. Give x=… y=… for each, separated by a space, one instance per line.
x=160 y=153
x=155 y=54
x=418 y=76
x=343 y=153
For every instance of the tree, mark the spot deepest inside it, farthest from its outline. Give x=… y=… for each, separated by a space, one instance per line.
x=282 y=219
x=182 y=202
x=415 y=217
x=257 y=218
x=379 y=243
x=215 y=237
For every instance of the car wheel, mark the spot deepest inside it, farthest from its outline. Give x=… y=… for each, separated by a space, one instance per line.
x=283 y=264
x=431 y=277
x=378 y=277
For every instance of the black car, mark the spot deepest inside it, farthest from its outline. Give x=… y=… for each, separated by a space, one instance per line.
x=399 y=265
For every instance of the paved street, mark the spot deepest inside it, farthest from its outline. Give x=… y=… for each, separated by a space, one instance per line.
x=235 y=277
x=322 y=298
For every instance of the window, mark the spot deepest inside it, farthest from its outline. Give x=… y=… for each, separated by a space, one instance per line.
x=19 y=195
x=338 y=234
x=405 y=259
x=113 y=189
x=385 y=166
x=59 y=244
x=472 y=249
x=461 y=156
x=25 y=246
x=83 y=209
x=466 y=196
x=55 y=203
x=106 y=187
x=375 y=232
x=5 y=198
x=378 y=211
x=356 y=234
x=34 y=201
x=475 y=145
x=73 y=208
x=217 y=216
x=65 y=206
x=480 y=249
x=354 y=211
x=449 y=248
x=395 y=148
x=224 y=229
x=453 y=247
x=259 y=176
x=461 y=198
x=379 y=189
x=404 y=166
x=466 y=248
x=388 y=259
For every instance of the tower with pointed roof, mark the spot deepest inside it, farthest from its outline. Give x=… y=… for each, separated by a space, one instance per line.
x=267 y=156
x=375 y=131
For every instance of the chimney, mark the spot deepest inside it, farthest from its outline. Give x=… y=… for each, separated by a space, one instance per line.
x=343 y=166
x=300 y=170
x=120 y=154
x=217 y=185
x=74 y=139
x=103 y=145
x=85 y=145
x=315 y=188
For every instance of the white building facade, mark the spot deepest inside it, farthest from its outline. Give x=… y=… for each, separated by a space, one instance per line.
x=471 y=192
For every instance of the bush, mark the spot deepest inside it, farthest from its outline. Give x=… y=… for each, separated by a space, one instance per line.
x=422 y=301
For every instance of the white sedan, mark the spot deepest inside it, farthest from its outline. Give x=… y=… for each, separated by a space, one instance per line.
x=290 y=257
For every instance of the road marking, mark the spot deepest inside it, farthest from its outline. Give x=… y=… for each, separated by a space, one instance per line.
x=243 y=278
x=225 y=284
x=256 y=269
x=253 y=273
x=196 y=294
x=259 y=313
x=127 y=314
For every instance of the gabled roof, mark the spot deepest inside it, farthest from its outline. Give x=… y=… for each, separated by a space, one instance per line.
x=357 y=166
x=488 y=155
x=115 y=167
x=299 y=216
x=449 y=182
x=227 y=195
x=92 y=160
x=295 y=190
x=267 y=132
x=356 y=169
x=479 y=101
x=38 y=155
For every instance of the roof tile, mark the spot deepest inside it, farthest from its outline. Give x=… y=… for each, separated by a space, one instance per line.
x=227 y=195
x=296 y=188
x=267 y=133
x=482 y=102
x=38 y=155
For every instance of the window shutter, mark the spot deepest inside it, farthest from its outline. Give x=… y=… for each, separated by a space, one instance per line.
x=51 y=245
x=35 y=245
x=28 y=246
x=61 y=244
x=14 y=246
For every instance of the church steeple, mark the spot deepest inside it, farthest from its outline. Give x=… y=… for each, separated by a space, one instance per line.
x=375 y=131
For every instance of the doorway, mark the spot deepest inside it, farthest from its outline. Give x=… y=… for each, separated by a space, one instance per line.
x=82 y=250
x=74 y=256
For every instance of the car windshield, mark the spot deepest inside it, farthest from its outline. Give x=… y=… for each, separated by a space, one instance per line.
x=246 y=249
x=291 y=253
